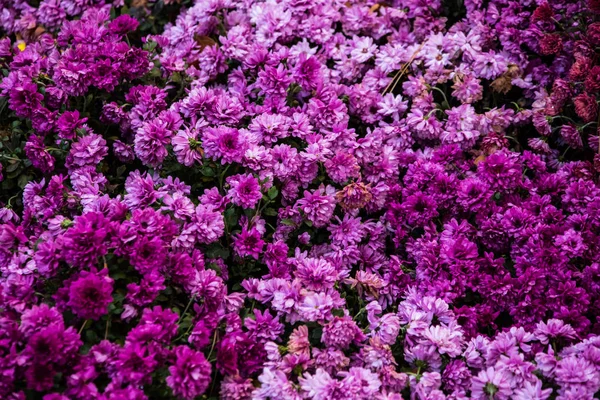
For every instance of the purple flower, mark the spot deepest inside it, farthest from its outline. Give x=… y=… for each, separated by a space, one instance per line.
x=244 y=190
x=123 y=24
x=248 y=243
x=37 y=154
x=316 y=273
x=490 y=383
x=190 y=375
x=226 y=144
x=186 y=147
x=341 y=332
x=317 y=206
x=90 y=294
x=88 y=150
x=207 y=225
x=86 y=240
x=150 y=142
x=68 y=123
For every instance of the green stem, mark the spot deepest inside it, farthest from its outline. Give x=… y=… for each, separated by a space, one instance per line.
x=82 y=327
x=441 y=91
x=222 y=176
x=107 y=327
x=10 y=158
x=186 y=309
x=431 y=112
x=212 y=346
x=586 y=125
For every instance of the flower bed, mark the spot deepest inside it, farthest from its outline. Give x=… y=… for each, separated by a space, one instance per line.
x=299 y=199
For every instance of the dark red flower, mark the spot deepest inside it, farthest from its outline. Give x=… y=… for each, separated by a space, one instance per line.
x=594 y=6
x=579 y=69
x=586 y=107
x=542 y=13
x=592 y=81
x=593 y=33
x=550 y=44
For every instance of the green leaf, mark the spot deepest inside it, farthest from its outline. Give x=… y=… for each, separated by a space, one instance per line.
x=270 y=212
x=272 y=193
x=121 y=170
x=12 y=167
x=288 y=222
x=24 y=180
x=231 y=217
x=337 y=312
x=208 y=171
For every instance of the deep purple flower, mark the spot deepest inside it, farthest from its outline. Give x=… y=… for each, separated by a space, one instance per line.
x=123 y=24
x=86 y=240
x=190 y=375
x=90 y=294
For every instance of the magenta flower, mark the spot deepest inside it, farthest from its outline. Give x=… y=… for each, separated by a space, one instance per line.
x=90 y=294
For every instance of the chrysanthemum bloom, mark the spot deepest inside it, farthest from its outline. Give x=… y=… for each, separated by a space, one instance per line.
x=593 y=33
x=85 y=241
x=248 y=243
x=123 y=151
x=298 y=342
x=90 y=294
x=244 y=191
x=571 y=136
x=37 y=154
x=123 y=24
x=550 y=44
x=580 y=68
x=88 y=150
x=316 y=273
x=68 y=123
x=341 y=332
x=150 y=142
x=592 y=81
x=491 y=384
x=190 y=375
x=186 y=147
x=24 y=98
x=317 y=206
x=586 y=107
x=542 y=13
x=354 y=196
x=207 y=224
x=224 y=144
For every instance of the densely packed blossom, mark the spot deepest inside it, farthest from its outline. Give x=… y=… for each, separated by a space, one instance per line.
x=299 y=199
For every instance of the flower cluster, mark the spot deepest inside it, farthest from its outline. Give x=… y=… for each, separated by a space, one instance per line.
x=299 y=199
